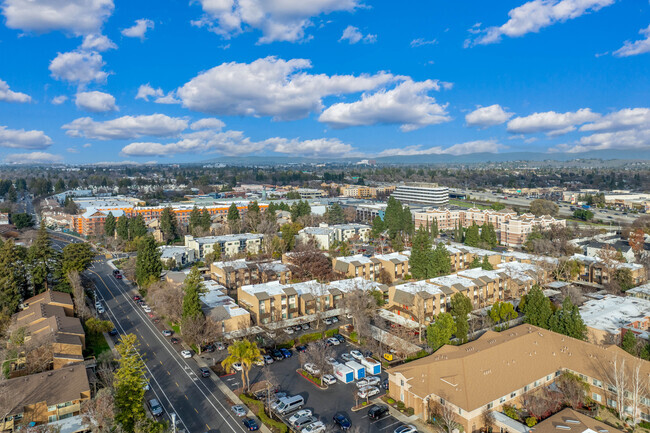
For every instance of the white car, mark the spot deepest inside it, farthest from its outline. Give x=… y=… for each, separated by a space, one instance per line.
x=236 y=366
x=296 y=416
x=329 y=379
x=362 y=383
x=268 y=359
x=316 y=427
x=333 y=341
x=146 y=309
x=328 y=321
x=186 y=354
x=373 y=380
x=311 y=368
x=356 y=355
x=289 y=331
x=335 y=319
x=368 y=391
x=406 y=429
x=100 y=310
x=332 y=361
x=259 y=362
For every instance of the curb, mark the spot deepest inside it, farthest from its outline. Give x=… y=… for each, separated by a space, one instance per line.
x=299 y=371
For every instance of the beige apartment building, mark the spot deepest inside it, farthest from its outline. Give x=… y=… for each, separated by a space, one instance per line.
x=222 y=309
x=395 y=264
x=499 y=367
x=599 y=271
x=362 y=191
x=227 y=245
x=515 y=231
x=358 y=266
x=236 y=273
x=269 y=302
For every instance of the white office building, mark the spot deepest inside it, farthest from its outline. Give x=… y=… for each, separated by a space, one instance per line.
x=429 y=194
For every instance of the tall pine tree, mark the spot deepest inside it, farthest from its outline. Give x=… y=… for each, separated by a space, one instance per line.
x=129 y=384
x=471 y=236
x=109 y=225
x=122 y=227
x=12 y=278
x=421 y=261
x=42 y=259
x=168 y=225
x=193 y=288
x=147 y=263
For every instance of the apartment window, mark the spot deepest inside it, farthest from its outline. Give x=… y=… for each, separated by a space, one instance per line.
x=442 y=401
x=611 y=403
x=548 y=377
x=51 y=418
x=402 y=382
x=51 y=408
x=598 y=383
x=460 y=411
x=526 y=388
x=596 y=397
x=490 y=405
x=513 y=395
x=502 y=400
x=536 y=383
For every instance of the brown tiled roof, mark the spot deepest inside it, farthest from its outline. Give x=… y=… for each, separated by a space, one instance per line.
x=570 y=421
x=52 y=387
x=403 y=298
x=49 y=297
x=38 y=311
x=68 y=325
x=340 y=266
x=484 y=370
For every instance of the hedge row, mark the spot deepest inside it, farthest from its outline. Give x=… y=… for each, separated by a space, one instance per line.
x=261 y=414
x=308 y=338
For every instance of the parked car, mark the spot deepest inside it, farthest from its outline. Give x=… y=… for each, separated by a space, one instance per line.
x=368 y=391
x=297 y=328
x=404 y=428
x=346 y=357
x=305 y=326
x=300 y=414
x=251 y=424
x=101 y=310
x=332 y=361
x=116 y=271
x=356 y=355
x=146 y=309
x=301 y=348
x=316 y=427
x=333 y=341
x=342 y=421
x=137 y=298
x=373 y=380
x=186 y=354
x=113 y=332
x=167 y=333
x=340 y=338
x=286 y=353
x=335 y=319
x=239 y=410
x=328 y=379
x=155 y=407
x=289 y=331
x=328 y=321
x=311 y=368
x=237 y=366
x=267 y=359
x=220 y=346
x=259 y=362
x=208 y=348
x=118 y=276
x=384 y=383
x=377 y=411
x=304 y=421
x=205 y=372
x=277 y=355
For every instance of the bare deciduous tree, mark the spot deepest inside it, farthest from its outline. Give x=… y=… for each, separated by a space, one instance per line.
x=317 y=353
x=443 y=415
x=79 y=296
x=98 y=413
x=167 y=299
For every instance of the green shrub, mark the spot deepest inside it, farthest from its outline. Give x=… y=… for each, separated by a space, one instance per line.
x=307 y=338
x=311 y=377
x=420 y=354
x=261 y=414
x=531 y=421
x=410 y=411
x=331 y=332
x=511 y=412
x=354 y=336
x=288 y=345
x=401 y=405
x=390 y=400
x=644 y=424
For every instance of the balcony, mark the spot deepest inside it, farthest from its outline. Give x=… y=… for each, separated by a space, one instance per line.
x=68 y=409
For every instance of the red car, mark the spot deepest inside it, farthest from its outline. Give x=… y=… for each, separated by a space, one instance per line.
x=136 y=298
x=118 y=276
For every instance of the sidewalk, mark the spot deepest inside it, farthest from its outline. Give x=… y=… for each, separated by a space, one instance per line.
x=406 y=419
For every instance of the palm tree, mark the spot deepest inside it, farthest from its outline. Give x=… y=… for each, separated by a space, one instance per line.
x=245 y=353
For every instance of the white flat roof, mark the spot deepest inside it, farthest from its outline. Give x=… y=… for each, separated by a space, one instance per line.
x=419 y=286
x=610 y=313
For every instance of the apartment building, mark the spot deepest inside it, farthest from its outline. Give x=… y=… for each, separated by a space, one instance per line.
x=91 y=222
x=325 y=235
x=176 y=256
x=418 y=301
x=368 y=212
x=642 y=292
x=514 y=232
x=367 y=192
x=228 y=245
x=599 y=271
x=499 y=367
x=236 y=273
x=609 y=317
x=44 y=398
x=358 y=266
x=222 y=309
x=395 y=264
x=429 y=194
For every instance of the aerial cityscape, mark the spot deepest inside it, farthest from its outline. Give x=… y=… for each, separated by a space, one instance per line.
x=325 y=215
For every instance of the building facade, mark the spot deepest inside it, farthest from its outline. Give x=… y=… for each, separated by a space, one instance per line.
x=427 y=194
x=227 y=245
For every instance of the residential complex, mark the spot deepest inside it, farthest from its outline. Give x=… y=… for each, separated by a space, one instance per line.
x=227 y=245
x=369 y=192
x=176 y=256
x=325 y=236
x=609 y=317
x=222 y=309
x=422 y=193
x=499 y=367
x=236 y=273
x=599 y=271
x=396 y=266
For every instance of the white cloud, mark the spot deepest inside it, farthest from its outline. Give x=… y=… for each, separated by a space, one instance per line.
x=534 y=15
x=284 y=20
x=97 y=42
x=87 y=145
x=353 y=35
x=478 y=146
x=421 y=41
x=626 y=118
x=139 y=29
x=58 y=100
x=72 y=150
x=487 y=116
x=126 y=127
x=79 y=67
x=270 y=87
x=145 y=91
x=169 y=98
x=317 y=147
x=551 y=122
x=96 y=102
x=21 y=139
x=79 y=17
x=207 y=123
x=33 y=158
x=8 y=95
x=407 y=104
x=641 y=46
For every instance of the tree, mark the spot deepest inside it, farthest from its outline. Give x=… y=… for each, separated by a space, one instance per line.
x=461 y=306
x=567 y=321
x=78 y=295
x=489 y=235
x=393 y=217
x=443 y=415
x=199 y=331
x=137 y=227
x=233 y=218
x=317 y=354
x=421 y=261
x=498 y=206
x=629 y=343
x=378 y=227
x=195 y=218
x=502 y=312
x=206 y=220
x=253 y=215
x=147 y=265
x=441 y=260
x=22 y=220
x=300 y=209
x=583 y=214
x=335 y=214
x=537 y=308
x=440 y=332
x=109 y=225
x=98 y=326
x=289 y=233
x=636 y=239
x=193 y=289
x=476 y=263
x=541 y=207
x=472 y=236
x=245 y=353
x=168 y=224
x=623 y=277
x=486 y=265
x=433 y=229
x=574 y=390
x=42 y=259
x=12 y=278
x=76 y=257
x=129 y=384
x=122 y=228
x=98 y=413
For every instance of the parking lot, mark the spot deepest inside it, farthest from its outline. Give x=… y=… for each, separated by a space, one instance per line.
x=339 y=397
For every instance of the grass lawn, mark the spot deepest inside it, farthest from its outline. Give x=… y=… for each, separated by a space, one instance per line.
x=175 y=328
x=95 y=344
x=468 y=204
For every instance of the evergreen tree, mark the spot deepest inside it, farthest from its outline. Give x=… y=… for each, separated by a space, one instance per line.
x=378 y=227
x=12 y=278
x=168 y=225
x=335 y=214
x=122 y=228
x=137 y=227
x=537 y=308
x=298 y=209
x=433 y=229
x=393 y=217
x=233 y=217
x=206 y=220
x=440 y=332
x=471 y=236
x=253 y=214
x=406 y=223
x=195 y=219
x=42 y=259
x=461 y=306
x=421 y=261
x=129 y=384
x=76 y=257
x=567 y=321
x=629 y=343
x=489 y=235
x=109 y=225
x=441 y=261
x=193 y=288
x=476 y=263
x=59 y=186
x=486 y=265
x=147 y=263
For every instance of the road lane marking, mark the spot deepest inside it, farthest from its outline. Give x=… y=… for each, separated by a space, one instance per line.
x=186 y=397
x=196 y=410
x=177 y=384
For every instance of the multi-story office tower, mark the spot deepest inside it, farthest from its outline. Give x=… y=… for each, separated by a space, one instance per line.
x=422 y=193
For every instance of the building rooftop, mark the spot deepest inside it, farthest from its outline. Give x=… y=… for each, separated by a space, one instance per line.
x=420 y=286
x=357 y=283
x=168 y=251
x=227 y=238
x=356 y=260
x=453 y=281
x=571 y=421
x=611 y=313
x=392 y=257
x=50 y=297
x=645 y=289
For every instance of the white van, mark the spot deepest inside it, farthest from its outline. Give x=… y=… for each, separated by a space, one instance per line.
x=289 y=404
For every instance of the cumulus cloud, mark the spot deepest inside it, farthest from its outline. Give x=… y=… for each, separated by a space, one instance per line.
x=551 y=122
x=484 y=117
x=79 y=17
x=58 y=100
x=97 y=42
x=641 y=46
x=126 y=127
x=145 y=91
x=277 y=20
x=139 y=29
x=33 y=158
x=626 y=118
x=270 y=87
x=21 y=139
x=353 y=35
x=96 y=102
x=318 y=147
x=534 y=15
x=207 y=123
x=78 y=67
x=408 y=104
x=478 y=146
x=8 y=95
x=421 y=41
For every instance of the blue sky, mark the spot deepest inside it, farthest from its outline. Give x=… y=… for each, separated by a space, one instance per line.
x=85 y=81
